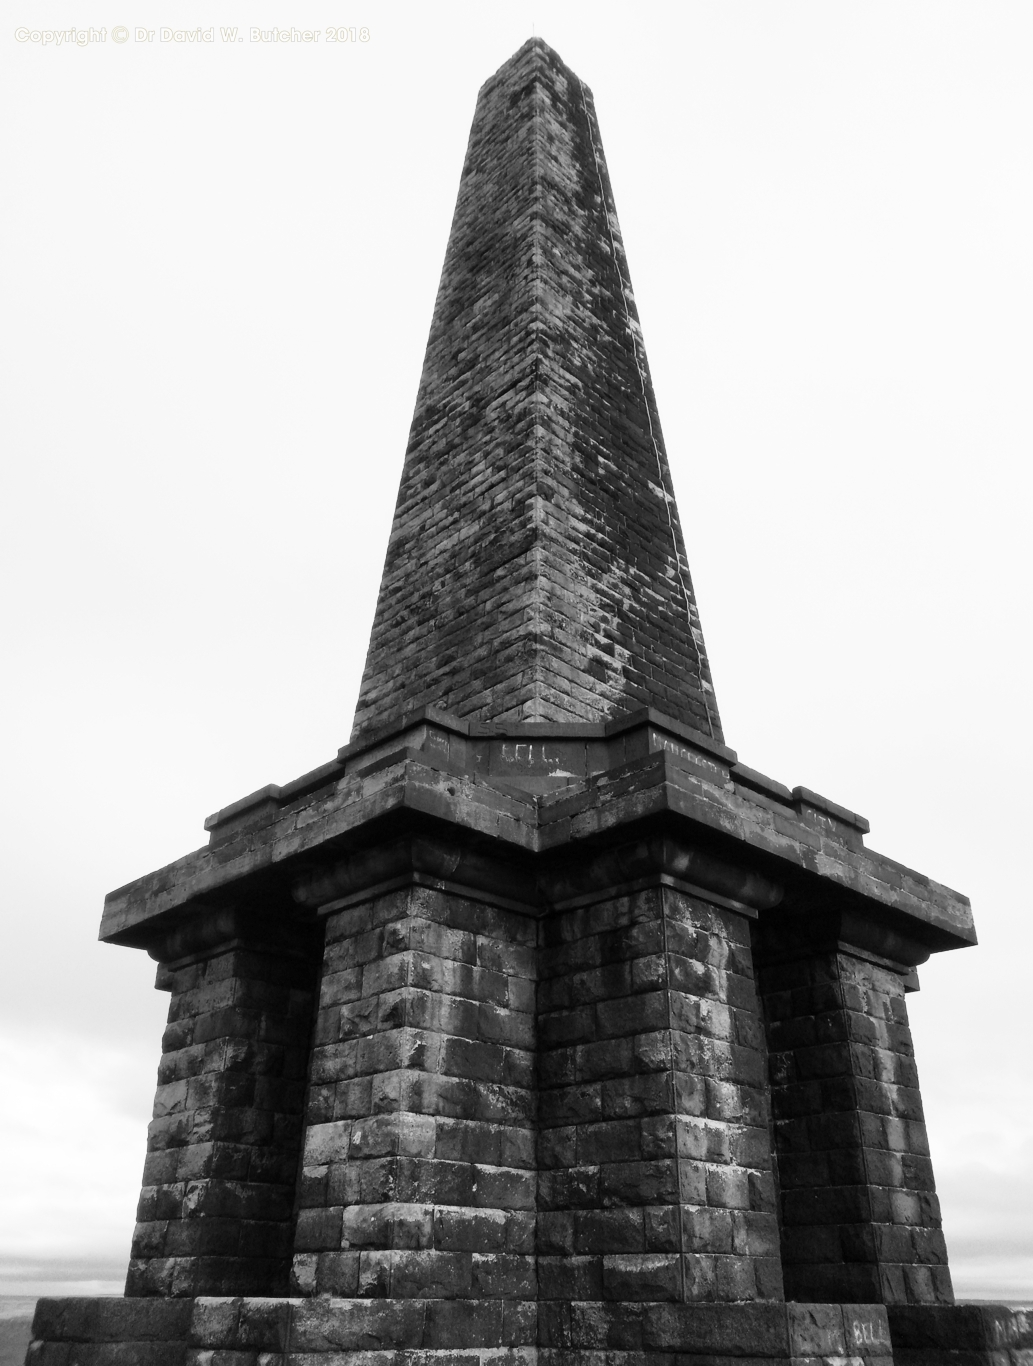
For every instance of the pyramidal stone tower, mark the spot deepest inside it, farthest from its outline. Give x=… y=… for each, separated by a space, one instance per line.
x=535 y=1025
x=536 y=570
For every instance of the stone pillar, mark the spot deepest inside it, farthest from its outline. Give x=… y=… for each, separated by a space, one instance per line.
x=655 y=1160
x=860 y=1217
x=419 y=1157
x=216 y=1207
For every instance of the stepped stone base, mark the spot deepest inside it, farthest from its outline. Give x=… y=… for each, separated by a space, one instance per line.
x=237 y=1331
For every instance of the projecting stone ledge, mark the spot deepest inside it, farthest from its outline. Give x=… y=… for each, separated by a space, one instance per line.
x=533 y=795
x=290 y=1332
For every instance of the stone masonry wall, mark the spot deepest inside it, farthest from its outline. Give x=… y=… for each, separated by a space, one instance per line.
x=536 y=569
x=860 y=1217
x=656 y=1171
x=426 y=1332
x=419 y=1160
x=216 y=1206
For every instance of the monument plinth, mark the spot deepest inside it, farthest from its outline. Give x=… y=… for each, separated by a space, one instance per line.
x=534 y=1024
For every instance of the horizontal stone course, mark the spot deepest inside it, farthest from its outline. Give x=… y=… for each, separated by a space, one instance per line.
x=283 y=1332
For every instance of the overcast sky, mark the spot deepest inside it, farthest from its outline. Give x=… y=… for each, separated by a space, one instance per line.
x=219 y=270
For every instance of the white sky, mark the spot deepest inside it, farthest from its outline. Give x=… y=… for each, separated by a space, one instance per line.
x=219 y=270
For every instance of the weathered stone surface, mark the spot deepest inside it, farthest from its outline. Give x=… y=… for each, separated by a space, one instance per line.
x=106 y=1331
x=654 y=1147
x=216 y=1210
x=536 y=569
x=791 y=839
x=860 y=1218
x=960 y=1335
x=418 y=1173
x=432 y=1332
x=428 y=1332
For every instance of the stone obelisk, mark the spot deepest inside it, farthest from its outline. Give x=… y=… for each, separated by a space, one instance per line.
x=535 y=1024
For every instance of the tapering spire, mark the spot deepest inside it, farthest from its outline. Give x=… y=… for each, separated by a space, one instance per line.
x=536 y=569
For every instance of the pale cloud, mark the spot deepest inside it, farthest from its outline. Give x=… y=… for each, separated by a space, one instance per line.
x=75 y=1133
x=987 y=1217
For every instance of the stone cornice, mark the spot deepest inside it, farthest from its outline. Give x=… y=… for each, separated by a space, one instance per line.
x=812 y=846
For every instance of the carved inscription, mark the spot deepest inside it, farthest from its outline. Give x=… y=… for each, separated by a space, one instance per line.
x=863 y=1331
x=535 y=756
x=658 y=740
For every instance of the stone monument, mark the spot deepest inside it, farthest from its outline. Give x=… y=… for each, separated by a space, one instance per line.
x=535 y=1025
